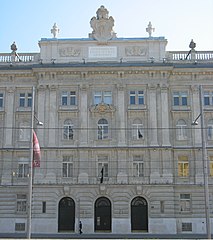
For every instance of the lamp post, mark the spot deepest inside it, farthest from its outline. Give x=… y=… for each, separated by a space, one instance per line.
x=205 y=164
x=30 y=191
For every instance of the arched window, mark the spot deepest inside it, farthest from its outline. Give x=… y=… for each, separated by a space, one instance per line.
x=103 y=129
x=210 y=130
x=137 y=129
x=68 y=130
x=181 y=130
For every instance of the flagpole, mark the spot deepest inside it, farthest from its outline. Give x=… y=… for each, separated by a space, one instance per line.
x=30 y=191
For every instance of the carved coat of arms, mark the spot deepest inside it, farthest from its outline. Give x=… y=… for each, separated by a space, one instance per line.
x=102 y=26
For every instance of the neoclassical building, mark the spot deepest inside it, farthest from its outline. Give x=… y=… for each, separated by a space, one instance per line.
x=118 y=151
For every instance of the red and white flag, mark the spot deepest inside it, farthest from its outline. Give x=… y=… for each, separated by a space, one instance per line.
x=36 y=151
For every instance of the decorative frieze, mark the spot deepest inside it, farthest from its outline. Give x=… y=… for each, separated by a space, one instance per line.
x=69 y=52
x=135 y=51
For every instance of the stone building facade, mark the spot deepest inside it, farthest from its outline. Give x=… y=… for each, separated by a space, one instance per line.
x=118 y=151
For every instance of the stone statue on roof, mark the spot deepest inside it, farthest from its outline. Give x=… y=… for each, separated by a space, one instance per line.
x=102 y=26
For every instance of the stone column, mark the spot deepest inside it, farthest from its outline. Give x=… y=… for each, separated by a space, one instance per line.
x=165 y=116
x=83 y=115
x=10 y=103
x=196 y=130
x=53 y=120
x=152 y=116
x=121 y=132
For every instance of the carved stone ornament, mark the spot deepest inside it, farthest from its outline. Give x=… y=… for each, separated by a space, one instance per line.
x=102 y=26
x=135 y=51
x=102 y=108
x=69 y=52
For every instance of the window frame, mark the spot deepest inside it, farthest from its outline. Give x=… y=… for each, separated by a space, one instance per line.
x=183 y=166
x=138 y=166
x=67 y=166
x=103 y=162
x=1 y=99
x=136 y=97
x=103 y=129
x=102 y=97
x=181 y=130
x=180 y=98
x=185 y=203
x=68 y=130
x=21 y=203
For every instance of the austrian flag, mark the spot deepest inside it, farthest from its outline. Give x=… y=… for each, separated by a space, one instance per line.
x=36 y=151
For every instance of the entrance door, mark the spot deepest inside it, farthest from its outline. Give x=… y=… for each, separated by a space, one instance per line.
x=139 y=214
x=66 y=215
x=103 y=214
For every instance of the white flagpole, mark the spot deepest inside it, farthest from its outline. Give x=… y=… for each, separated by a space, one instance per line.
x=29 y=223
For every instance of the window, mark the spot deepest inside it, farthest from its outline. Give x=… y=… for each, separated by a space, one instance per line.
x=208 y=98
x=20 y=227
x=181 y=130
x=136 y=97
x=211 y=166
x=21 y=203
x=183 y=166
x=180 y=98
x=68 y=130
x=137 y=130
x=185 y=202
x=25 y=99
x=68 y=98
x=103 y=130
x=1 y=100
x=67 y=169
x=23 y=168
x=186 y=227
x=103 y=164
x=44 y=207
x=138 y=166
x=102 y=96
x=210 y=130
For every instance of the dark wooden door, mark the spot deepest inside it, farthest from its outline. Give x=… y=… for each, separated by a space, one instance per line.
x=103 y=214
x=66 y=215
x=139 y=214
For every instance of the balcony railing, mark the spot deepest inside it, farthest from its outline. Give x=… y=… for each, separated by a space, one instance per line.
x=200 y=56
x=19 y=58
x=170 y=56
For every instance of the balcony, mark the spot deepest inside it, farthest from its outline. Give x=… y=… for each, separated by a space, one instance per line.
x=20 y=58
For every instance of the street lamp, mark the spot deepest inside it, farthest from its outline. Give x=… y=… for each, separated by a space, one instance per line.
x=205 y=164
x=33 y=117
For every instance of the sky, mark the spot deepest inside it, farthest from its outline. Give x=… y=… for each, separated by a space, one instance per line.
x=179 y=21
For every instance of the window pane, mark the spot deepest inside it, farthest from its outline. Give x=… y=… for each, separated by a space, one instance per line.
x=108 y=97
x=140 y=97
x=29 y=100
x=1 y=99
x=176 y=101
x=184 y=101
x=22 y=100
x=72 y=98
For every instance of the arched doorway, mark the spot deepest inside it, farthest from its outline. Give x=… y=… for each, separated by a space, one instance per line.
x=103 y=214
x=66 y=214
x=139 y=214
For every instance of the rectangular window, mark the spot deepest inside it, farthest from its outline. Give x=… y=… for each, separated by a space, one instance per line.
x=211 y=166
x=1 y=100
x=21 y=203
x=103 y=164
x=72 y=98
x=67 y=168
x=183 y=166
x=68 y=98
x=22 y=100
x=68 y=132
x=20 y=227
x=136 y=97
x=186 y=227
x=102 y=96
x=180 y=99
x=137 y=131
x=138 y=166
x=185 y=202
x=23 y=170
x=25 y=100
x=44 y=205
x=29 y=100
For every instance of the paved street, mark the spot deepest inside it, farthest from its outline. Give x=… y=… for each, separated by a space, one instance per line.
x=104 y=236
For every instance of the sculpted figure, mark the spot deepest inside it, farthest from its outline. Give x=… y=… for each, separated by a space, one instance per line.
x=102 y=26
